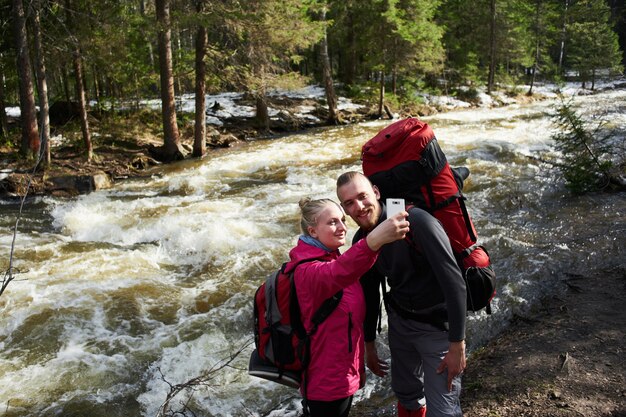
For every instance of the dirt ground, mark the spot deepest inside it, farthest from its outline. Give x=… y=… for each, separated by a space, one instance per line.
x=564 y=360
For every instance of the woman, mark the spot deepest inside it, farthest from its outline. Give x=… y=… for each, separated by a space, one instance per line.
x=336 y=369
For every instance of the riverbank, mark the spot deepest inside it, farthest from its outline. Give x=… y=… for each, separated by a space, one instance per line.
x=126 y=144
x=564 y=359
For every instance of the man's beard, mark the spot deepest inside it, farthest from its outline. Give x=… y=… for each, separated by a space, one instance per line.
x=367 y=222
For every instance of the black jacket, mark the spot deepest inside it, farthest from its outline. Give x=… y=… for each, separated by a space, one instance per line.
x=422 y=273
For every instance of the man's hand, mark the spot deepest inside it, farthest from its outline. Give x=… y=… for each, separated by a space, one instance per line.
x=376 y=365
x=454 y=361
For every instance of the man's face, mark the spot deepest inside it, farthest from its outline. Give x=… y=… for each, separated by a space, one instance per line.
x=360 y=201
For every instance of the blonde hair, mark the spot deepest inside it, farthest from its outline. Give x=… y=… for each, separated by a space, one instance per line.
x=310 y=209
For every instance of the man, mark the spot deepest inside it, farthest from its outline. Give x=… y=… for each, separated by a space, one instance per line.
x=426 y=305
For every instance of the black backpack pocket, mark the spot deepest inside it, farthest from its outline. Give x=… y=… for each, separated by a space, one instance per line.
x=481 y=287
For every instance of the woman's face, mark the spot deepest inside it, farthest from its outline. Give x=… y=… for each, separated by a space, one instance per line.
x=330 y=228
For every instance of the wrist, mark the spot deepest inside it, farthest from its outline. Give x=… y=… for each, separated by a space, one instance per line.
x=372 y=243
x=458 y=346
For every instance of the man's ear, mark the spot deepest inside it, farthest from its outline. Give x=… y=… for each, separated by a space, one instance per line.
x=376 y=192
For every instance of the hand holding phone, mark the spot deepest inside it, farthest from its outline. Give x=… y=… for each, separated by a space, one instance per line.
x=394 y=206
x=389 y=230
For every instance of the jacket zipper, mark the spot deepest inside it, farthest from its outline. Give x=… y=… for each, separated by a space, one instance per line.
x=350 y=332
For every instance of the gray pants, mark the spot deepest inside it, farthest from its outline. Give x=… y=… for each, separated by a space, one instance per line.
x=417 y=349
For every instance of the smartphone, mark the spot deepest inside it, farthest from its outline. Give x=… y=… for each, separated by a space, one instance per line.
x=394 y=206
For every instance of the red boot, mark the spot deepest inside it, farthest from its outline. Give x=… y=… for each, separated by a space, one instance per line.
x=403 y=412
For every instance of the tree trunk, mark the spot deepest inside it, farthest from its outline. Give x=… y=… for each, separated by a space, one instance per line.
x=538 y=35
x=42 y=83
x=79 y=85
x=142 y=11
x=66 y=84
x=4 y=120
x=536 y=61
x=199 y=142
x=82 y=102
x=262 y=113
x=350 y=70
x=97 y=90
x=563 y=35
x=30 y=135
x=532 y=79
x=171 y=140
x=381 y=102
x=179 y=52
x=593 y=79
x=492 y=48
x=327 y=76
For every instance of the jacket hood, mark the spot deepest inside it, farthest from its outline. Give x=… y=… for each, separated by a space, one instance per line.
x=304 y=252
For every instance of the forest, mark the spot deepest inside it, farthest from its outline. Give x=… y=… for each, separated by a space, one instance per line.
x=105 y=55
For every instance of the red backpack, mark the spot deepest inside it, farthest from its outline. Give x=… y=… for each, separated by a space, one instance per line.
x=404 y=160
x=282 y=344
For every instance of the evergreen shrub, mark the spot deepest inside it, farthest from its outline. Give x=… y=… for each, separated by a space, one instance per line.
x=587 y=154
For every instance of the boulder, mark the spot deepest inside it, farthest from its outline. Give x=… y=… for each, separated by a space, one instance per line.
x=80 y=184
x=222 y=141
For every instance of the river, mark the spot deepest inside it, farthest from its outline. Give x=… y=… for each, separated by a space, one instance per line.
x=123 y=289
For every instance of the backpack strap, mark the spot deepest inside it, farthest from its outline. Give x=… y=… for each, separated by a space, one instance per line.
x=304 y=347
x=321 y=314
x=468 y=222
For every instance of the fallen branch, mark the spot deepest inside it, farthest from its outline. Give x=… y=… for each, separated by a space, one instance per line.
x=203 y=381
x=8 y=274
x=192 y=384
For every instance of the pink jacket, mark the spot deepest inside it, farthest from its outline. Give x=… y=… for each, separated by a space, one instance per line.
x=337 y=348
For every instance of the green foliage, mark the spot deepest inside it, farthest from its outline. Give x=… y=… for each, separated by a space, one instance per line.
x=586 y=154
x=594 y=44
x=466 y=36
x=416 y=38
x=291 y=81
x=256 y=45
x=506 y=78
x=469 y=73
x=365 y=93
x=268 y=35
x=411 y=99
x=352 y=91
x=415 y=86
x=527 y=34
x=393 y=100
x=466 y=94
x=11 y=140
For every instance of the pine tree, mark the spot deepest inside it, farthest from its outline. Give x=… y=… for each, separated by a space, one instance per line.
x=585 y=152
x=268 y=37
x=593 y=42
x=466 y=39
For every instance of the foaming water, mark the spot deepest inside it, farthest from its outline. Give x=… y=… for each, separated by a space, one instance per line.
x=125 y=291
